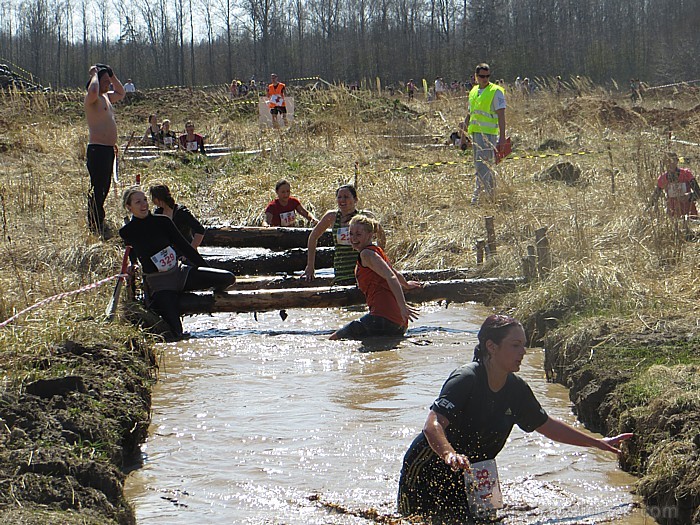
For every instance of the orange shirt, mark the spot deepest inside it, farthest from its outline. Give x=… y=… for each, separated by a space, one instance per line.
x=380 y=299
x=276 y=94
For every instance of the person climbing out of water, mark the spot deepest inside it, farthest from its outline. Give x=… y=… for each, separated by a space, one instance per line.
x=680 y=186
x=382 y=285
x=469 y=423
x=283 y=210
x=154 y=240
x=345 y=257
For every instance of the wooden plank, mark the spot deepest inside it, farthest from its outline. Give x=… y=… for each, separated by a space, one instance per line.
x=481 y=290
x=258 y=236
x=270 y=263
x=268 y=282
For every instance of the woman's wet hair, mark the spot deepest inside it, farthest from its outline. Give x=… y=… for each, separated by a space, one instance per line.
x=162 y=193
x=281 y=183
x=348 y=187
x=495 y=328
x=128 y=193
x=368 y=223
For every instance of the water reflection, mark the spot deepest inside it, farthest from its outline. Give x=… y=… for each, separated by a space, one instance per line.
x=263 y=425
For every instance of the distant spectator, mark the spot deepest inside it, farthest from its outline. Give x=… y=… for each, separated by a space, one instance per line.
x=167 y=137
x=129 y=86
x=284 y=209
x=680 y=186
x=439 y=88
x=410 y=89
x=191 y=141
x=233 y=89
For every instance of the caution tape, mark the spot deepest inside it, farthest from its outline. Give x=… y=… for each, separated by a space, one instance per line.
x=510 y=157
x=672 y=85
x=60 y=296
x=303 y=78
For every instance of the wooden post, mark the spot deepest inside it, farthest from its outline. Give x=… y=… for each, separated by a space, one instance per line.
x=544 y=257
x=480 y=247
x=530 y=264
x=490 y=237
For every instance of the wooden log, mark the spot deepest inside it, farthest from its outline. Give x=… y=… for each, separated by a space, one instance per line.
x=268 y=282
x=490 y=237
x=544 y=256
x=482 y=290
x=274 y=238
x=270 y=263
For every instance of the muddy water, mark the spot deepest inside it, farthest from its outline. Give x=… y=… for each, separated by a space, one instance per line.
x=260 y=421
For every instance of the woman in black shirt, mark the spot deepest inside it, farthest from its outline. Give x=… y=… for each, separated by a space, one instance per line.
x=471 y=420
x=190 y=228
x=157 y=242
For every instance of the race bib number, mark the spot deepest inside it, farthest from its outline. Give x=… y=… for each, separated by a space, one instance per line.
x=483 y=489
x=276 y=100
x=165 y=259
x=288 y=218
x=343 y=236
x=675 y=190
x=192 y=146
x=168 y=141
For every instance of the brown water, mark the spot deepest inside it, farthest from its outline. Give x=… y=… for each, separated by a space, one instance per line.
x=267 y=422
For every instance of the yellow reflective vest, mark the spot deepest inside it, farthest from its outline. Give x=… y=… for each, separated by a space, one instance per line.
x=481 y=120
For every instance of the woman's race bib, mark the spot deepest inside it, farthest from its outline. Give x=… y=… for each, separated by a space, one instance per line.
x=168 y=141
x=165 y=260
x=343 y=236
x=288 y=218
x=192 y=146
x=483 y=489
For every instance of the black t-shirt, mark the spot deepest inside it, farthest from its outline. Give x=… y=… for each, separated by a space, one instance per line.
x=150 y=235
x=480 y=419
x=185 y=222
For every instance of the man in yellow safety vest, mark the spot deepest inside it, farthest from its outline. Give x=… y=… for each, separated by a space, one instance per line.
x=486 y=128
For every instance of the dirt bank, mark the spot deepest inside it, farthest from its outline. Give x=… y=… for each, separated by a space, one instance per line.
x=643 y=378
x=66 y=437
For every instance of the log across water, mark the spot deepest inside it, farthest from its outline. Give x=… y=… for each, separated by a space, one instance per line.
x=270 y=263
x=273 y=238
x=261 y=282
x=480 y=290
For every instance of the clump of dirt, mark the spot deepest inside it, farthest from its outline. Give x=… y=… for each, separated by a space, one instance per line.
x=623 y=379
x=670 y=118
x=65 y=438
x=603 y=113
x=564 y=171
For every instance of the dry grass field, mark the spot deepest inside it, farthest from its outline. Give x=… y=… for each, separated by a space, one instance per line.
x=624 y=275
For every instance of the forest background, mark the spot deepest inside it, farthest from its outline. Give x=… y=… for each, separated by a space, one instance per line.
x=201 y=42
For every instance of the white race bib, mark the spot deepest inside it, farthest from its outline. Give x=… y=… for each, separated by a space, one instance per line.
x=168 y=141
x=276 y=100
x=192 y=146
x=675 y=190
x=483 y=489
x=343 y=236
x=288 y=218
x=165 y=260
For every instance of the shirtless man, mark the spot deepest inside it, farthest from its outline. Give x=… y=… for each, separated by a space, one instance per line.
x=102 y=140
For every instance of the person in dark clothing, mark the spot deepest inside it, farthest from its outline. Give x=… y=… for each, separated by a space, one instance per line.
x=156 y=241
x=469 y=423
x=186 y=223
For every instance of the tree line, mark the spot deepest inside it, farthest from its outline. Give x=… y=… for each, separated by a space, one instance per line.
x=181 y=42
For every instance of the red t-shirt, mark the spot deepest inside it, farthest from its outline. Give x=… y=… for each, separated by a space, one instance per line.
x=380 y=300
x=678 y=201
x=194 y=145
x=283 y=215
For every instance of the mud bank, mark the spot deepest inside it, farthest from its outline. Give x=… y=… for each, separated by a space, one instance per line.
x=65 y=438
x=623 y=379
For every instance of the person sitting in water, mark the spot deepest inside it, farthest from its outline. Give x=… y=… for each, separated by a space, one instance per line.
x=382 y=285
x=283 y=210
x=469 y=423
x=155 y=240
x=345 y=257
x=152 y=134
x=186 y=223
x=167 y=137
x=191 y=141
x=680 y=186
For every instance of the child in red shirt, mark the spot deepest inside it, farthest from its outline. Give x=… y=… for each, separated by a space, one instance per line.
x=283 y=210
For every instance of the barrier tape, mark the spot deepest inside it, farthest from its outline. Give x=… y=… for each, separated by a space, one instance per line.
x=672 y=85
x=510 y=157
x=62 y=296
